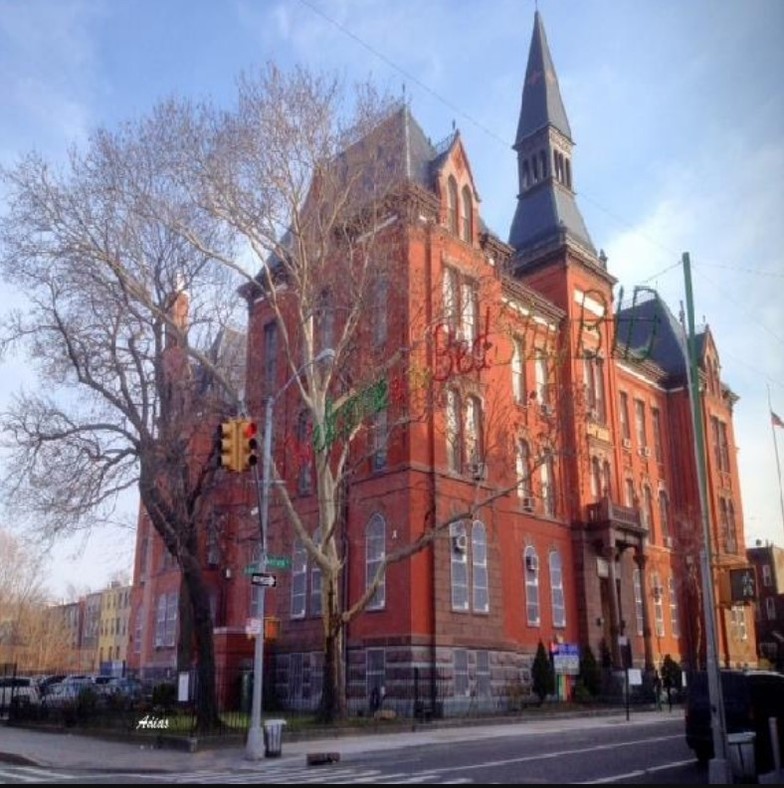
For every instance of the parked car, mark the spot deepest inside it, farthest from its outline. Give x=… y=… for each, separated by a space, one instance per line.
x=66 y=693
x=21 y=690
x=126 y=688
x=751 y=698
x=46 y=682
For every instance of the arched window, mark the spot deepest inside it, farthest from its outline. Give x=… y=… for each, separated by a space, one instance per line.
x=531 y=573
x=452 y=204
x=526 y=175
x=481 y=596
x=375 y=550
x=541 y=375
x=664 y=514
x=459 y=565
x=518 y=370
x=299 y=579
x=557 y=589
x=568 y=168
x=535 y=162
x=468 y=215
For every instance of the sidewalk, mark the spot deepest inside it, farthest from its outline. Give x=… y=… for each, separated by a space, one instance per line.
x=31 y=747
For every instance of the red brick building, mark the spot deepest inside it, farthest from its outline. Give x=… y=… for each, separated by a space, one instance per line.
x=547 y=393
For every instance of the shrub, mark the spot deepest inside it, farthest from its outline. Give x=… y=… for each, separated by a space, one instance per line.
x=590 y=672
x=542 y=674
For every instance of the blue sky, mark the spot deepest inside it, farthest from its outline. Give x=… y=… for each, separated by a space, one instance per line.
x=676 y=108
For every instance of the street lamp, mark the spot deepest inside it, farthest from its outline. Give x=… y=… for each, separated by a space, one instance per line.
x=254 y=749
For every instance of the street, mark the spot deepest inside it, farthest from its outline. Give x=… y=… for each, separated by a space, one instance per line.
x=642 y=753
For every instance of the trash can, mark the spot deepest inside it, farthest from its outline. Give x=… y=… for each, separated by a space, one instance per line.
x=740 y=749
x=273 y=737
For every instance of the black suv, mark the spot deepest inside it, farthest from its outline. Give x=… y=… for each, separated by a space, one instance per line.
x=750 y=698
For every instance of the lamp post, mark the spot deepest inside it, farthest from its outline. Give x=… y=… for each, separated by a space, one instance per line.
x=254 y=748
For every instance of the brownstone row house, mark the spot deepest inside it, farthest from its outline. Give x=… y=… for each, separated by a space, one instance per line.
x=543 y=384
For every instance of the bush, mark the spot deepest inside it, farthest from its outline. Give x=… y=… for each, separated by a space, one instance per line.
x=542 y=674
x=590 y=673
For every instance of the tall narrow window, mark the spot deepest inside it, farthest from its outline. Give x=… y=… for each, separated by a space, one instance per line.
x=462 y=686
x=523 y=471
x=467 y=206
x=628 y=492
x=638 y=601
x=593 y=378
x=299 y=579
x=481 y=597
x=518 y=371
x=596 y=478
x=658 y=604
x=380 y=307
x=380 y=439
x=607 y=486
x=375 y=550
x=624 y=416
x=270 y=356
x=452 y=204
x=315 y=580
x=451 y=298
x=664 y=514
x=469 y=307
x=459 y=565
x=531 y=572
x=724 y=448
x=557 y=589
x=541 y=374
x=639 y=416
x=658 y=451
x=647 y=509
x=454 y=431
x=548 y=486
x=675 y=624
x=732 y=545
x=473 y=431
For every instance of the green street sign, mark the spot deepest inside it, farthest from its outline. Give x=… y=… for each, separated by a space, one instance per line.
x=250 y=569
x=278 y=562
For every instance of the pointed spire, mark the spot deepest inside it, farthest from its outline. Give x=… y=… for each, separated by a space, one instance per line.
x=542 y=103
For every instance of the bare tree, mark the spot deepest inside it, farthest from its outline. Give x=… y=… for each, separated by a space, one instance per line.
x=121 y=313
x=30 y=637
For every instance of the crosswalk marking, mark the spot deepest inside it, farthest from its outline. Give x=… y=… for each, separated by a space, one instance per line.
x=31 y=774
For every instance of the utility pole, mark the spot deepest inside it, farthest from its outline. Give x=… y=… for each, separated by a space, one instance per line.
x=718 y=767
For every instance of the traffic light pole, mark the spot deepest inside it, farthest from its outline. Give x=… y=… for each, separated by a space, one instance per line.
x=254 y=749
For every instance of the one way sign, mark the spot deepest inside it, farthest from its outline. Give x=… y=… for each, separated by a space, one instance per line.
x=263 y=579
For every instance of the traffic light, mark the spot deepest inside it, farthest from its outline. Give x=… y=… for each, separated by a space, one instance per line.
x=228 y=446
x=248 y=444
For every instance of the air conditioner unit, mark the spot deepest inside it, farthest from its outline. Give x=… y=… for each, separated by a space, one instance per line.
x=532 y=563
x=645 y=452
x=478 y=470
x=529 y=504
x=627 y=443
x=460 y=543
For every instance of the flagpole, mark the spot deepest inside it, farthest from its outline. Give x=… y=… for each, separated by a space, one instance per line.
x=776 y=450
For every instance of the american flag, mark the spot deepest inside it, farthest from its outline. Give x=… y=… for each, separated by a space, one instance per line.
x=777 y=422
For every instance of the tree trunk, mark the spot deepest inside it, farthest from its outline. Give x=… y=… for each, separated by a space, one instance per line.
x=333 y=696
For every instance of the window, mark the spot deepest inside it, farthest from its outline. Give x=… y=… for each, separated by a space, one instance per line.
x=454 y=431
x=639 y=417
x=315 y=580
x=628 y=496
x=638 y=601
x=295 y=676
x=675 y=625
x=720 y=444
x=624 y=416
x=767 y=575
x=596 y=478
x=270 y=355
x=467 y=206
x=547 y=477
x=452 y=204
x=518 y=371
x=770 y=608
x=380 y=439
x=593 y=380
x=732 y=534
x=473 y=431
x=304 y=454
x=541 y=376
x=557 y=589
x=451 y=298
x=664 y=514
x=647 y=509
x=738 y=623
x=166 y=623
x=607 y=479
x=461 y=672
x=658 y=604
x=459 y=566
x=299 y=579
x=375 y=550
x=461 y=305
x=522 y=462
x=469 y=309
x=531 y=573
x=380 y=302
x=479 y=580
x=657 y=435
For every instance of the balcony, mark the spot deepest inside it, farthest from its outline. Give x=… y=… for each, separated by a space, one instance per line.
x=606 y=512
